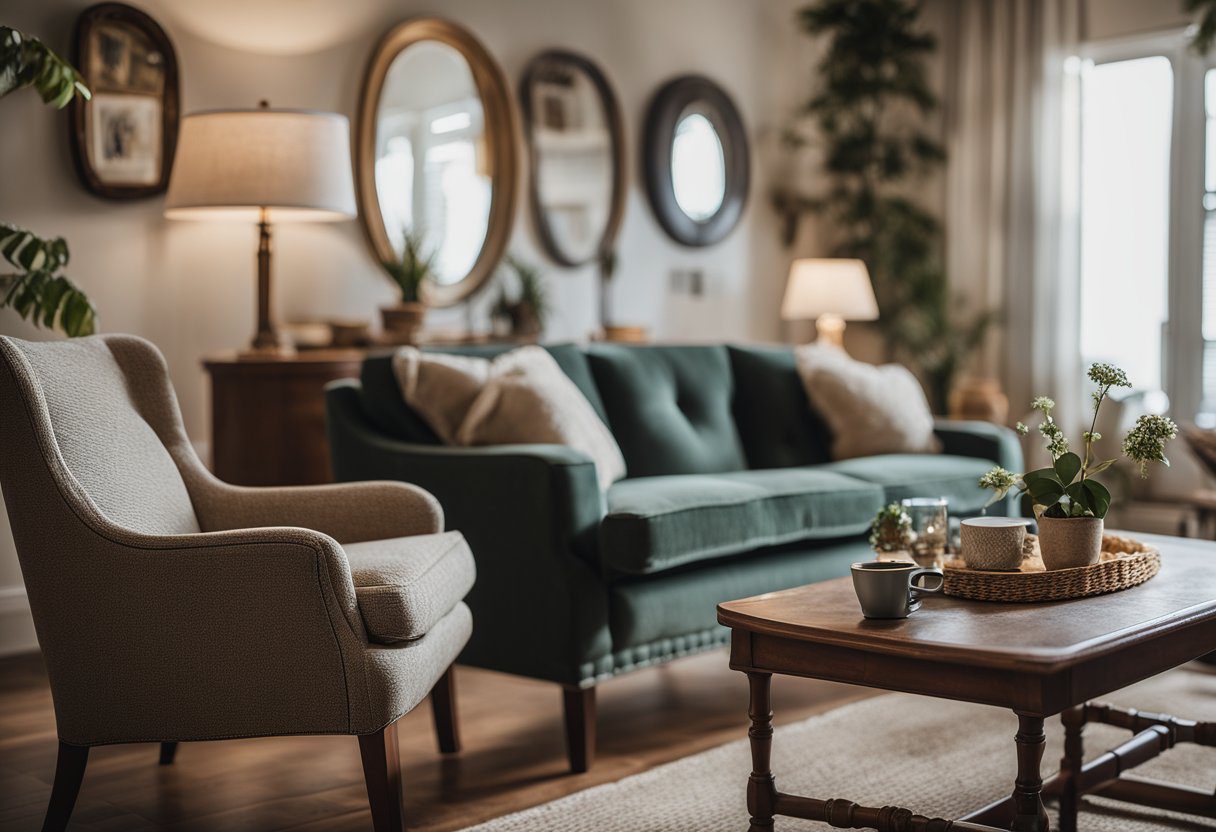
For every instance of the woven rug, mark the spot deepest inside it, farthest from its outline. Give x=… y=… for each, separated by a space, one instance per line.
x=932 y=756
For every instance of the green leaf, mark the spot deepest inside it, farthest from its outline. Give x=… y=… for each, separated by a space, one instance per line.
x=1067 y=467
x=1100 y=467
x=1099 y=497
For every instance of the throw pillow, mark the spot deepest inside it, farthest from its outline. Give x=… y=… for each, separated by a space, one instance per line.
x=440 y=388
x=528 y=398
x=870 y=410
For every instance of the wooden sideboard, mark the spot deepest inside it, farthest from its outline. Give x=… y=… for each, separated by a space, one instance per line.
x=268 y=415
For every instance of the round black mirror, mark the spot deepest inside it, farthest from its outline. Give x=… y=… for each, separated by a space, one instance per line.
x=697 y=162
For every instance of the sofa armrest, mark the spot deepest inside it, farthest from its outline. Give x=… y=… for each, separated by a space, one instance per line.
x=980 y=439
x=531 y=515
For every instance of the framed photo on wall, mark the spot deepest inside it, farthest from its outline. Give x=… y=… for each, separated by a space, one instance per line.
x=123 y=139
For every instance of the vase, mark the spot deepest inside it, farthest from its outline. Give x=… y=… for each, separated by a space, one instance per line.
x=403 y=322
x=1069 y=542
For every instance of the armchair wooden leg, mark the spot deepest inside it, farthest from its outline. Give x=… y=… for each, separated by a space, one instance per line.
x=69 y=772
x=382 y=771
x=168 y=750
x=443 y=708
x=579 y=709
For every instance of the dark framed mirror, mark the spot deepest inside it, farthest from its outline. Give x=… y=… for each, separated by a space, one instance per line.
x=576 y=144
x=696 y=159
x=124 y=137
x=436 y=155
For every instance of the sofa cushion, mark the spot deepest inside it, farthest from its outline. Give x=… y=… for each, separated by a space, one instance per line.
x=385 y=407
x=922 y=475
x=644 y=612
x=669 y=407
x=776 y=423
x=657 y=523
x=404 y=585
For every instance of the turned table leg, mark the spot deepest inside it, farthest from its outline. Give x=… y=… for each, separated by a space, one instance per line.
x=761 y=787
x=1029 y=812
x=1070 y=767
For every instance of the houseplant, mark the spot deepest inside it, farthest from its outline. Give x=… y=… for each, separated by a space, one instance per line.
x=403 y=321
x=528 y=311
x=1069 y=502
x=36 y=291
x=864 y=129
x=891 y=531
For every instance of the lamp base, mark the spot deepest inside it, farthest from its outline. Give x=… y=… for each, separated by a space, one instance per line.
x=267 y=343
x=829 y=330
x=263 y=351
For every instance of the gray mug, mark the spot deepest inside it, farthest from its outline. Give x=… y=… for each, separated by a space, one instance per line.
x=888 y=589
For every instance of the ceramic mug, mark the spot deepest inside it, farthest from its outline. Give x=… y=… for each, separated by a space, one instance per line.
x=888 y=589
x=993 y=543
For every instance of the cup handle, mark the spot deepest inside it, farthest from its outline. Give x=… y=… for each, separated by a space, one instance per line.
x=918 y=591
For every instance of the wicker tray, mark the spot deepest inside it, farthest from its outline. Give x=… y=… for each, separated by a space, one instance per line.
x=1125 y=563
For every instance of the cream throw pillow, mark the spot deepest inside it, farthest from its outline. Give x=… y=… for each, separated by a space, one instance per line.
x=870 y=410
x=520 y=397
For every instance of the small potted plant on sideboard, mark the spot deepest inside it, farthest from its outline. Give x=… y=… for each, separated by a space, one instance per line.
x=1069 y=502
x=403 y=321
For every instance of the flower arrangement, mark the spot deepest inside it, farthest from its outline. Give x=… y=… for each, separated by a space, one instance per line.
x=891 y=530
x=1068 y=490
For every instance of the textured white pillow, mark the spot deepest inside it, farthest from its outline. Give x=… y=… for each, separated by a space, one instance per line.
x=870 y=410
x=520 y=397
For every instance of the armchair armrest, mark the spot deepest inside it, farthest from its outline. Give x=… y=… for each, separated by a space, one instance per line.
x=347 y=512
x=980 y=439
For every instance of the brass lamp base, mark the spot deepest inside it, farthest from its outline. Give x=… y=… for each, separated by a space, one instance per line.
x=829 y=330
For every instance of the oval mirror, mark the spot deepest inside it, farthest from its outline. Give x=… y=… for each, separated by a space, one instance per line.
x=435 y=155
x=576 y=141
x=697 y=162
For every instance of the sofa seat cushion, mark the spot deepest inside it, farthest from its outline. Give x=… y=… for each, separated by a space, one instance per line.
x=405 y=585
x=922 y=475
x=657 y=523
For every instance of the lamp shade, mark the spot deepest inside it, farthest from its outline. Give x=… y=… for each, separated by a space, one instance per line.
x=840 y=288
x=231 y=164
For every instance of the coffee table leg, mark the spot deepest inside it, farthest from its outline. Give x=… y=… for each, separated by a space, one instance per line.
x=1030 y=814
x=1070 y=767
x=761 y=787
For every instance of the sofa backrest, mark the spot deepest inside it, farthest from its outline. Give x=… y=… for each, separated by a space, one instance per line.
x=669 y=407
x=673 y=409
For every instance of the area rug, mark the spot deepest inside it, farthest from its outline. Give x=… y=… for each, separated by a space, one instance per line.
x=935 y=757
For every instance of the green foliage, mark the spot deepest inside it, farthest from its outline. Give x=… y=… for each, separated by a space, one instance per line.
x=412 y=268
x=27 y=62
x=530 y=306
x=891 y=530
x=869 y=112
x=1068 y=488
x=1205 y=32
x=35 y=291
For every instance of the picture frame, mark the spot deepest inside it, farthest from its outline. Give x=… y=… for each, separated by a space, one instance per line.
x=123 y=138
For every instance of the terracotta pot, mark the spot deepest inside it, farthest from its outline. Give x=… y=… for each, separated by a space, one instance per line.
x=403 y=322
x=1068 y=542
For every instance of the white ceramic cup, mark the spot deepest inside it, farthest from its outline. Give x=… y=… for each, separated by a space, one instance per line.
x=993 y=543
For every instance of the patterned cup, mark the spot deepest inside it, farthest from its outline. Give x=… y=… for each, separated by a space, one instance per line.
x=993 y=543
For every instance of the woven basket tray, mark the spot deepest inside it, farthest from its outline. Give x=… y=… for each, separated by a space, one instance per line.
x=1125 y=563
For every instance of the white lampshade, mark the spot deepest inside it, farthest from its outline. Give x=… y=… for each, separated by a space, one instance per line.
x=231 y=164
x=840 y=288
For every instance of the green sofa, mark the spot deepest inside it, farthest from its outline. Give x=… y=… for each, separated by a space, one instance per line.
x=730 y=492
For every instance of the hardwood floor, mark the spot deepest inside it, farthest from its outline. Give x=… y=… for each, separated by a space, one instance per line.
x=513 y=754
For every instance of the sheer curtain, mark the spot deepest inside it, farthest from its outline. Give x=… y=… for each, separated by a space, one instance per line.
x=1011 y=186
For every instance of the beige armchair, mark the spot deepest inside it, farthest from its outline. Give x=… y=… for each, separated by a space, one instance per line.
x=173 y=607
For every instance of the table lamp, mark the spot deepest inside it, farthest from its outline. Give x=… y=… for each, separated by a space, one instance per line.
x=262 y=166
x=831 y=292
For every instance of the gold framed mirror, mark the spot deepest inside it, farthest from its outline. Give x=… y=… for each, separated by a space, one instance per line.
x=436 y=155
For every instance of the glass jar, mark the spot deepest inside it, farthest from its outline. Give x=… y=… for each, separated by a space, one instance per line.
x=930 y=528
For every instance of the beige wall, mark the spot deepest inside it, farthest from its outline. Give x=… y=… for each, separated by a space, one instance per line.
x=188 y=286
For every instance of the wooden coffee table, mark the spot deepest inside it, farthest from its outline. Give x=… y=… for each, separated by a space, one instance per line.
x=1037 y=660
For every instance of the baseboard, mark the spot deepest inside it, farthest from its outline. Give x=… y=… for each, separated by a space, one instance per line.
x=16 y=625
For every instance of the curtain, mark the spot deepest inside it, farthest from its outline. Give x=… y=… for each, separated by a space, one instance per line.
x=1009 y=110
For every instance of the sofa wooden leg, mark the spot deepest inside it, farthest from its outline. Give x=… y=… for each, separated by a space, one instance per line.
x=579 y=707
x=382 y=771
x=69 y=773
x=168 y=750
x=443 y=708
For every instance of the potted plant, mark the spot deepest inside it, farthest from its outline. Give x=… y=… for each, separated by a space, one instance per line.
x=525 y=314
x=404 y=320
x=1069 y=502
x=891 y=532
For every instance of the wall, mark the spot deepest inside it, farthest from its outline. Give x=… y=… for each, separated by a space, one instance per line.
x=189 y=286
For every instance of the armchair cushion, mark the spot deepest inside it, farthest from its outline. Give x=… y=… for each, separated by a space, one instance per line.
x=405 y=585
x=657 y=523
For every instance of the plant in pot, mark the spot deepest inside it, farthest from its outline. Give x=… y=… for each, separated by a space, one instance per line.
x=526 y=314
x=891 y=533
x=403 y=321
x=1069 y=502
